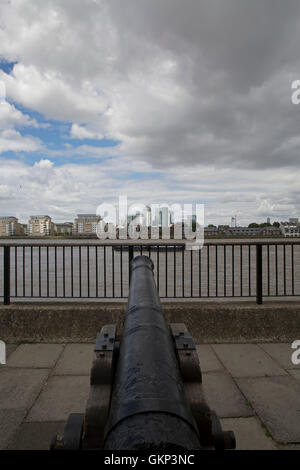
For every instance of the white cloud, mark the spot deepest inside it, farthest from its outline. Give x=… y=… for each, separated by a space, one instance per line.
x=50 y=94
x=65 y=190
x=10 y=116
x=13 y=141
x=80 y=132
x=44 y=163
x=199 y=91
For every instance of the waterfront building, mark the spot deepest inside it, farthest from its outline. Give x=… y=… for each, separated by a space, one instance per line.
x=40 y=225
x=86 y=223
x=211 y=231
x=237 y=231
x=290 y=228
x=271 y=231
x=25 y=229
x=66 y=228
x=9 y=226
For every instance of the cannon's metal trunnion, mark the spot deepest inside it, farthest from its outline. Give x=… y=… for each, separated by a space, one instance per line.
x=146 y=389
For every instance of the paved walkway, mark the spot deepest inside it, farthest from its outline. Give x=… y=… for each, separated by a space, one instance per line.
x=254 y=388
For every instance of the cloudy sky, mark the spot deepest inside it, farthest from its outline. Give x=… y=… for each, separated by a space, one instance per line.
x=160 y=100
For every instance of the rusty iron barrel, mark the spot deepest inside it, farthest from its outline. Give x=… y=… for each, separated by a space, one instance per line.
x=149 y=410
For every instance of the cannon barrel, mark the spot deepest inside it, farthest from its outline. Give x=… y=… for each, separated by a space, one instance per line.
x=149 y=407
x=146 y=386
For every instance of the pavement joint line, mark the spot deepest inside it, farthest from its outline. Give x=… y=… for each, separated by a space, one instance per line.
x=243 y=395
x=29 y=368
x=259 y=377
x=25 y=423
x=248 y=376
x=234 y=377
x=212 y=351
x=256 y=415
x=43 y=385
x=290 y=373
x=27 y=410
x=71 y=375
x=248 y=403
x=273 y=358
x=258 y=342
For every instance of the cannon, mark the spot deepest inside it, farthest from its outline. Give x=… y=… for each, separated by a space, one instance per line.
x=146 y=384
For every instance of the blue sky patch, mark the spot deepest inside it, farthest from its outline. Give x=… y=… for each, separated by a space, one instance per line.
x=6 y=66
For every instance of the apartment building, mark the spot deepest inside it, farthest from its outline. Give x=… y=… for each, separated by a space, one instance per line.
x=271 y=231
x=86 y=223
x=211 y=231
x=290 y=228
x=9 y=226
x=40 y=225
x=66 y=228
x=225 y=230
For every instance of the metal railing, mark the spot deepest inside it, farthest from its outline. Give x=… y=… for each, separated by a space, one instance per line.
x=101 y=271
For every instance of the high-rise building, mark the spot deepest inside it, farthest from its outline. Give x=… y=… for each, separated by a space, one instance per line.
x=9 y=225
x=233 y=221
x=141 y=218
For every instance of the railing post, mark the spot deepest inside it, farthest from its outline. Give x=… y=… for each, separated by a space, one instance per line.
x=130 y=258
x=6 y=276
x=259 y=277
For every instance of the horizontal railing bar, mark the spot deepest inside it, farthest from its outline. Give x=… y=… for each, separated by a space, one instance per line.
x=162 y=296
x=138 y=243
x=149 y=243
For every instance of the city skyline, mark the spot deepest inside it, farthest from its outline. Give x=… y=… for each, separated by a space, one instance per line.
x=165 y=217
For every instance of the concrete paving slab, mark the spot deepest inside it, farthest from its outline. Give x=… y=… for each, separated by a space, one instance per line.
x=35 y=436
x=10 y=348
x=75 y=360
x=60 y=397
x=208 y=359
x=277 y=402
x=282 y=353
x=20 y=387
x=10 y=421
x=224 y=396
x=249 y=434
x=42 y=356
x=247 y=360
